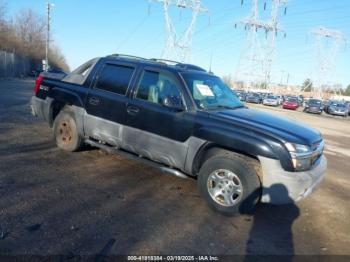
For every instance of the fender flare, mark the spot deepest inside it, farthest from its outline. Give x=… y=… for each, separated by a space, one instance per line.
x=66 y=97
x=249 y=144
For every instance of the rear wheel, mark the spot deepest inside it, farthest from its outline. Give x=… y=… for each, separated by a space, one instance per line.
x=66 y=133
x=229 y=184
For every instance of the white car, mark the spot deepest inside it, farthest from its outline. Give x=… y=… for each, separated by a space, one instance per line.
x=271 y=100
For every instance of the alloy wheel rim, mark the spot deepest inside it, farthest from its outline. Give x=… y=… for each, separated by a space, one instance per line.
x=225 y=187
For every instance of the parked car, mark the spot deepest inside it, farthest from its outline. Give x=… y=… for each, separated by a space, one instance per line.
x=241 y=95
x=271 y=100
x=279 y=99
x=313 y=106
x=327 y=104
x=290 y=103
x=339 y=109
x=347 y=104
x=253 y=98
x=184 y=121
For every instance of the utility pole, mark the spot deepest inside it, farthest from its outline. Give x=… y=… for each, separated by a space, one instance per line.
x=47 y=47
x=327 y=47
x=255 y=63
x=179 y=46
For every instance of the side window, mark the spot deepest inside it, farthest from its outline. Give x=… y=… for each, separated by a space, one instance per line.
x=115 y=78
x=155 y=87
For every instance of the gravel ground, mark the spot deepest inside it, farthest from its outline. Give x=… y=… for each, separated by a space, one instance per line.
x=88 y=203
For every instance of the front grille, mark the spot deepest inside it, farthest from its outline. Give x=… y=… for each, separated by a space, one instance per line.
x=317 y=149
x=314 y=146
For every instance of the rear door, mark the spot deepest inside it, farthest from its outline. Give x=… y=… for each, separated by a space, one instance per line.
x=153 y=130
x=106 y=102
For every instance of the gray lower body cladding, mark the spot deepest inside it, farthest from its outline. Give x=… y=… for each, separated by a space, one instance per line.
x=157 y=148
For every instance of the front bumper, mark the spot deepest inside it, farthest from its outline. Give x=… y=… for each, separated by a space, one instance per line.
x=253 y=101
x=282 y=187
x=313 y=110
x=338 y=113
x=271 y=103
x=290 y=107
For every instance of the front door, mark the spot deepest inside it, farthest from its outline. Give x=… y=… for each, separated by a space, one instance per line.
x=154 y=130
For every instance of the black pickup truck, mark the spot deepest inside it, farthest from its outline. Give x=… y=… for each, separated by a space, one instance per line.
x=184 y=121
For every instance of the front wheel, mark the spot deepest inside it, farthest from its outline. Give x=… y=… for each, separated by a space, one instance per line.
x=229 y=184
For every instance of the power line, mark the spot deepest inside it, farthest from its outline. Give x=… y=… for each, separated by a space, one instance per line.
x=131 y=34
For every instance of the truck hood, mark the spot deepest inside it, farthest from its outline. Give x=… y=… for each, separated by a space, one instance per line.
x=269 y=124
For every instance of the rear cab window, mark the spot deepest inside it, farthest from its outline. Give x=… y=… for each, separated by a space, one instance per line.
x=80 y=75
x=115 y=78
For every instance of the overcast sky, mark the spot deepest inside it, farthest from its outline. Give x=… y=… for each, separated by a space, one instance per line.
x=85 y=29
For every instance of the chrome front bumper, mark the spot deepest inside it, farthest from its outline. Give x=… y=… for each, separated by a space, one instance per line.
x=282 y=187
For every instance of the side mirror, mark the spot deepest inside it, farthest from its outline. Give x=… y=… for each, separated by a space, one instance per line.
x=173 y=102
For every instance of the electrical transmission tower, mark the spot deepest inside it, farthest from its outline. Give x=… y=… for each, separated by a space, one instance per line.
x=254 y=66
x=327 y=46
x=178 y=46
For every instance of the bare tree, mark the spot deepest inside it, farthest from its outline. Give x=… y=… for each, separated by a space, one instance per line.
x=30 y=29
x=2 y=11
x=25 y=35
x=2 y=24
x=57 y=58
x=228 y=80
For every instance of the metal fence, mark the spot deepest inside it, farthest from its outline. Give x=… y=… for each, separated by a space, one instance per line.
x=14 y=65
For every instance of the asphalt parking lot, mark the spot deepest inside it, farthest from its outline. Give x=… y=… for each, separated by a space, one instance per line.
x=54 y=202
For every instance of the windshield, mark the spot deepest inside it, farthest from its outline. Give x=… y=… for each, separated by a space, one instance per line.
x=271 y=97
x=210 y=92
x=292 y=100
x=314 y=102
x=338 y=105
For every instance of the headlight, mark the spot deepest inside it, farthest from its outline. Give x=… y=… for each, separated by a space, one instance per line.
x=297 y=148
x=301 y=156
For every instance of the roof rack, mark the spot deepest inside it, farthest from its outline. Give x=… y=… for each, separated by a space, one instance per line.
x=165 y=61
x=191 y=67
x=178 y=64
x=127 y=56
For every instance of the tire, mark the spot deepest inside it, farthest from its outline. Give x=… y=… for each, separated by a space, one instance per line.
x=234 y=182
x=66 y=133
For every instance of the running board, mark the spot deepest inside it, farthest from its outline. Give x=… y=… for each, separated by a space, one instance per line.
x=114 y=150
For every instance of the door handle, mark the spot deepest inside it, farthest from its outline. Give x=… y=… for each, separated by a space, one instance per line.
x=132 y=110
x=94 y=101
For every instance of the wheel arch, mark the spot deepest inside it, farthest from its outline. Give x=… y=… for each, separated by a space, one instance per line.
x=63 y=99
x=210 y=149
